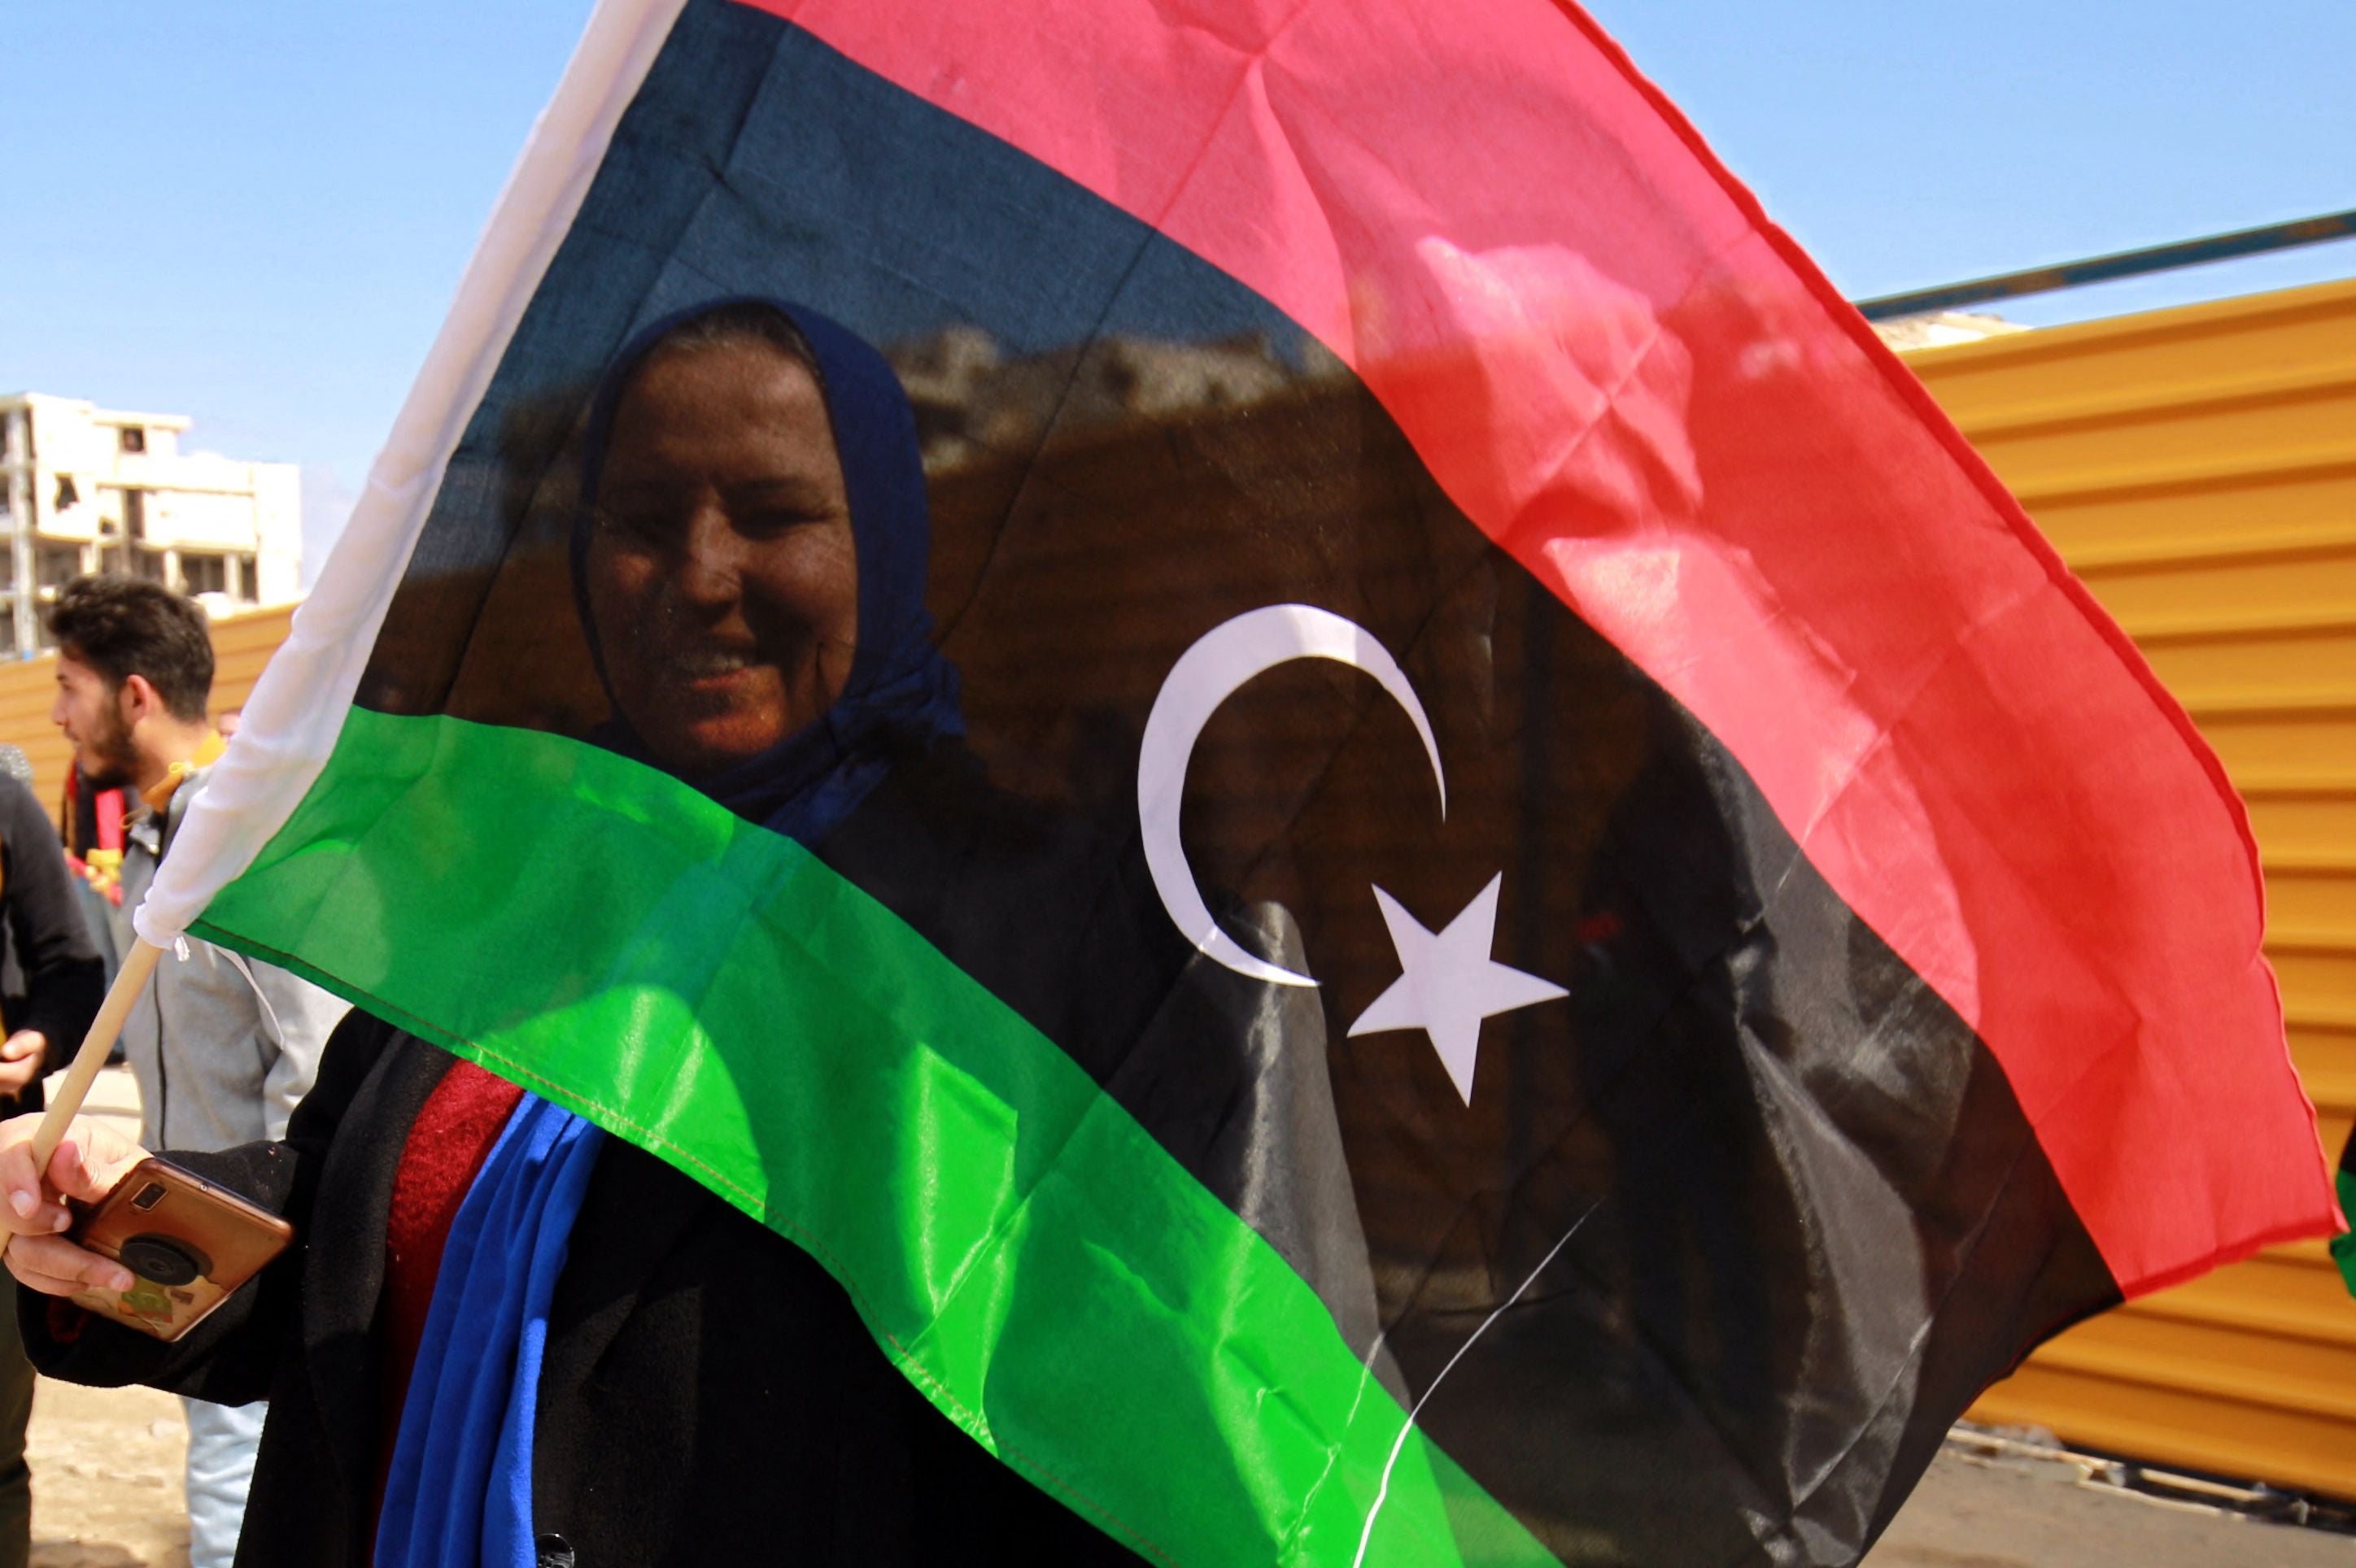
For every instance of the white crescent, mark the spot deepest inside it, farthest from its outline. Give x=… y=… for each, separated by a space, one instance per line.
x=1222 y=660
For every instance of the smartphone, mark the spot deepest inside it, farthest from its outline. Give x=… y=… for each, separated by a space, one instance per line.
x=189 y=1242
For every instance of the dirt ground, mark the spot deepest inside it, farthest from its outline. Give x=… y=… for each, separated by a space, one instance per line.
x=1973 y=1512
x=106 y=1479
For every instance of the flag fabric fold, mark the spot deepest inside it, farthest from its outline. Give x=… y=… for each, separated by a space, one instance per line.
x=1552 y=932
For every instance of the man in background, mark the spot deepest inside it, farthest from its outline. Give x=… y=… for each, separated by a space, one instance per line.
x=50 y=985
x=222 y=1048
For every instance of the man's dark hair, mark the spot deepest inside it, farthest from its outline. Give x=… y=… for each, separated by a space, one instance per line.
x=123 y=626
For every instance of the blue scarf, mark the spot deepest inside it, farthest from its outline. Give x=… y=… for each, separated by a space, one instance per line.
x=461 y=1477
x=459 y=1490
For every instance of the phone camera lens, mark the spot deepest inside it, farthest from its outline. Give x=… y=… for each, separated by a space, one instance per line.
x=164 y=1260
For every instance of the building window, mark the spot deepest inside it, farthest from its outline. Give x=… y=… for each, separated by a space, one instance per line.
x=247 y=588
x=55 y=565
x=134 y=439
x=67 y=494
x=135 y=515
x=203 y=573
x=148 y=566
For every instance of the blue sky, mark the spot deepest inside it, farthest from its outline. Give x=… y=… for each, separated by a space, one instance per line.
x=255 y=212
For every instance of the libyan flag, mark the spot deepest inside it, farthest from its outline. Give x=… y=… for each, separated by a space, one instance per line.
x=1535 y=923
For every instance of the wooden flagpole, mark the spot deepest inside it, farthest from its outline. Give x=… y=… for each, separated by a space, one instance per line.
x=104 y=1030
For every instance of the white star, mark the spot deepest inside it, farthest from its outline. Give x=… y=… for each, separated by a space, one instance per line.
x=1449 y=983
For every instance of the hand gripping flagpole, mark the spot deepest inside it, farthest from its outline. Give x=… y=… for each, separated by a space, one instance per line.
x=104 y=1030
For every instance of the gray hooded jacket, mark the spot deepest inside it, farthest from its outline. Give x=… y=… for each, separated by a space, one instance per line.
x=222 y=1046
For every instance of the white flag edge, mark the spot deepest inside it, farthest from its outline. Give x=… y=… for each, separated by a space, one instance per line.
x=298 y=707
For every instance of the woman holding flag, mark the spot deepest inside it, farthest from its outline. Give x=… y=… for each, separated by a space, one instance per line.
x=503 y=1336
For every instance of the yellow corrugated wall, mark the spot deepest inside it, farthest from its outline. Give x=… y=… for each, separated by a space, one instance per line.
x=2198 y=468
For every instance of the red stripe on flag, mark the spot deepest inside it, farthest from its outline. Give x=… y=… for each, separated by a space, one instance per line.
x=1643 y=389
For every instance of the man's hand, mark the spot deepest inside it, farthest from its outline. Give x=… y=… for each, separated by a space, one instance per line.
x=90 y=1160
x=21 y=1055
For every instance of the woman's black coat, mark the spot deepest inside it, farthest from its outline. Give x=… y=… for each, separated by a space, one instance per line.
x=708 y=1394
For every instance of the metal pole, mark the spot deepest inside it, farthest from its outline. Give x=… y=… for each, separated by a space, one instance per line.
x=2121 y=264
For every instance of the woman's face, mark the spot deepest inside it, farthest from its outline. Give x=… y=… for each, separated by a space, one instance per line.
x=723 y=577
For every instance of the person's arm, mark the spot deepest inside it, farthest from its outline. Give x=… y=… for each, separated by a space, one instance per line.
x=231 y=1356
x=64 y=979
x=298 y=1021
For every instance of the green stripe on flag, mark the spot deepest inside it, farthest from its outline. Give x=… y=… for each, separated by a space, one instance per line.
x=2343 y=1247
x=1021 y=1247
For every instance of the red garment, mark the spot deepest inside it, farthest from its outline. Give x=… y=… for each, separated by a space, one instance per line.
x=446 y=1147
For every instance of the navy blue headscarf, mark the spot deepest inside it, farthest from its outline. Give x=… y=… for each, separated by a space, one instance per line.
x=901 y=695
